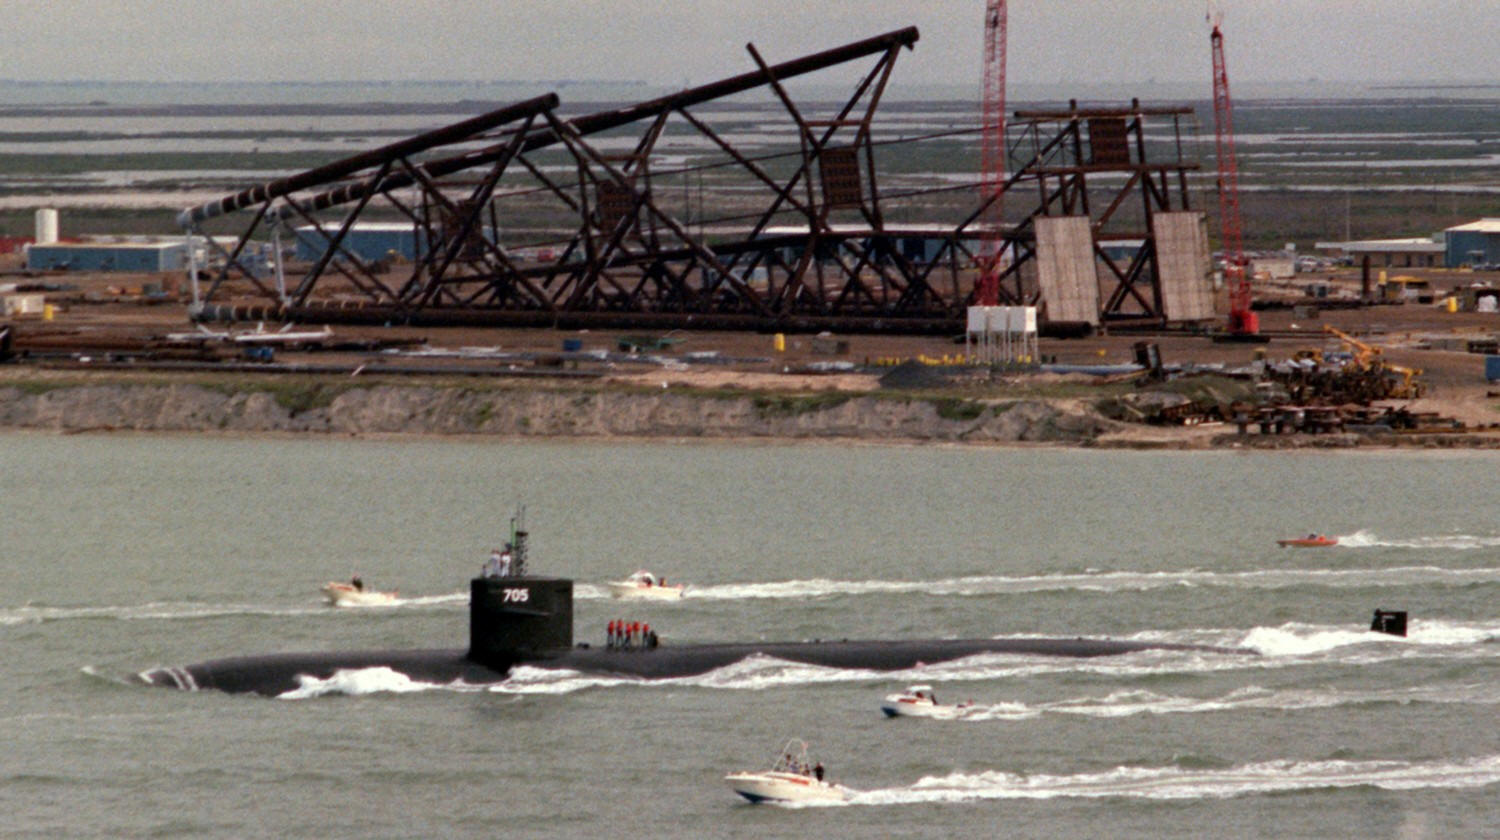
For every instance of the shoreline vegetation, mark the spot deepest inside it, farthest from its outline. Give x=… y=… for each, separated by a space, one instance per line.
x=319 y=407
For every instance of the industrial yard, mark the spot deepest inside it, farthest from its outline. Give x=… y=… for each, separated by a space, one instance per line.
x=708 y=243
x=109 y=331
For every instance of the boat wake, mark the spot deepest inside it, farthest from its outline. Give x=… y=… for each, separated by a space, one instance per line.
x=1101 y=581
x=1159 y=783
x=1454 y=542
x=171 y=611
x=1122 y=704
x=148 y=612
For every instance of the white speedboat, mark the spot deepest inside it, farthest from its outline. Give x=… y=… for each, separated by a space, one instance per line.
x=643 y=584
x=349 y=595
x=918 y=701
x=791 y=779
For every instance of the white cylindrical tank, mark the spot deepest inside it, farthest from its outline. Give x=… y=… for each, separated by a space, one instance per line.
x=46 y=226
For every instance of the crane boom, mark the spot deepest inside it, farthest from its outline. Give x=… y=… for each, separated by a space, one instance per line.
x=1242 y=320
x=992 y=154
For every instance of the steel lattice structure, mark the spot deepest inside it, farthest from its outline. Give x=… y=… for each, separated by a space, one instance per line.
x=1097 y=163
x=524 y=217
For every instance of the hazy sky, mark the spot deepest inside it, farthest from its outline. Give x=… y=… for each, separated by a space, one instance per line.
x=699 y=40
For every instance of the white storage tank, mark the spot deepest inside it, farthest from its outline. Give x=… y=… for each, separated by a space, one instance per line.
x=46 y=226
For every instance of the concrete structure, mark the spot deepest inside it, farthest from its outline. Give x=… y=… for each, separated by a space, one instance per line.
x=107 y=256
x=23 y=305
x=1273 y=266
x=1184 y=266
x=1414 y=252
x=1066 y=269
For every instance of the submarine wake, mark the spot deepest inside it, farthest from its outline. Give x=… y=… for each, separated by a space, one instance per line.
x=528 y=621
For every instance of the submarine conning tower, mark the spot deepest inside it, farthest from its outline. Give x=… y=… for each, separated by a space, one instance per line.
x=515 y=617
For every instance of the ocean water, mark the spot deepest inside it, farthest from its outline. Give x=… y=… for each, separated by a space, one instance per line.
x=123 y=553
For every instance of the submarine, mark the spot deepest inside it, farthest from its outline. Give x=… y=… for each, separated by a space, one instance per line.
x=525 y=620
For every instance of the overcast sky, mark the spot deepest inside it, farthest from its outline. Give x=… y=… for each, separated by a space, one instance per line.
x=1051 y=41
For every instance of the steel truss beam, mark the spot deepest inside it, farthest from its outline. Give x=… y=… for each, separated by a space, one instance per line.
x=523 y=217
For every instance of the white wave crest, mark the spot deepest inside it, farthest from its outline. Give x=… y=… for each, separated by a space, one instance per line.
x=1184 y=783
x=358 y=681
x=1302 y=639
x=525 y=679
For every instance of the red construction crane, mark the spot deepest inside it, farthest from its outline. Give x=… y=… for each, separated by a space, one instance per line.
x=992 y=154
x=1243 y=322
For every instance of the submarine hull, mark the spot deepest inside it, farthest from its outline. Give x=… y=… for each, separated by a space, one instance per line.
x=529 y=620
x=277 y=674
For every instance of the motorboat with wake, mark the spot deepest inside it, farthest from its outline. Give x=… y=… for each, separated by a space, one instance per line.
x=919 y=701
x=644 y=585
x=792 y=778
x=354 y=594
x=1309 y=541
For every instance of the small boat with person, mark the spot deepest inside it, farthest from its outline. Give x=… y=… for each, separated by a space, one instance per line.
x=1309 y=541
x=792 y=778
x=643 y=584
x=919 y=701
x=354 y=594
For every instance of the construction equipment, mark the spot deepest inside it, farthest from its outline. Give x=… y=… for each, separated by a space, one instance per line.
x=992 y=156
x=1244 y=324
x=1368 y=358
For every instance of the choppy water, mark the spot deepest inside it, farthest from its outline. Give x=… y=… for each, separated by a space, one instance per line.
x=124 y=553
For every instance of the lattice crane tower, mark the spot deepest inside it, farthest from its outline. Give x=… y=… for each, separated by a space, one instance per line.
x=1242 y=320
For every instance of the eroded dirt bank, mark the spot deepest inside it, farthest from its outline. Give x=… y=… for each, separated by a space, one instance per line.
x=585 y=412
x=423 y=410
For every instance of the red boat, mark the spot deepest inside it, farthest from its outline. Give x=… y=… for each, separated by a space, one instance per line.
x=1309 y=541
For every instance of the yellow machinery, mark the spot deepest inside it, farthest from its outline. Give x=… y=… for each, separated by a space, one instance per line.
x=1368 y=357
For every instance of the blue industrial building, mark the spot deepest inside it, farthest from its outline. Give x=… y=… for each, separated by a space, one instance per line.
x=107 y=256
x=1474 y=244
x=366 y=240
